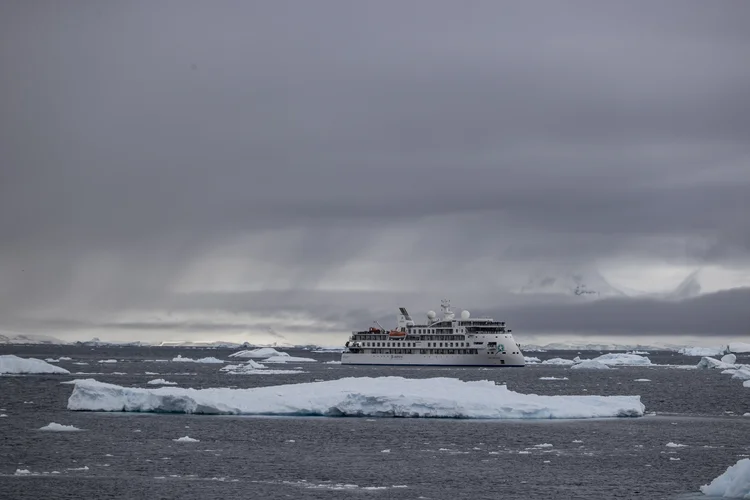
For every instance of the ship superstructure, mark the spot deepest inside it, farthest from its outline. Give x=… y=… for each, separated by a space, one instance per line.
x=444 y=341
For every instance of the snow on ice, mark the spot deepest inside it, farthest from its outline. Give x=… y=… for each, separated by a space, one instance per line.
x=363 y=396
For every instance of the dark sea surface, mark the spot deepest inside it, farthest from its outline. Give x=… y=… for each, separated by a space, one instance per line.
x=127 y=455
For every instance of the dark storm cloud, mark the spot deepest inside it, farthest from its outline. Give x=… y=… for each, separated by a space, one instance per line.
x=720 y=314
x=140 y=136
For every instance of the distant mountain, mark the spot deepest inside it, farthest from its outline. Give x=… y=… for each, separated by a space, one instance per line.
x=95 y=342
x=689 y=288
x=586 y=283
x=20 y=338
x=589 y=346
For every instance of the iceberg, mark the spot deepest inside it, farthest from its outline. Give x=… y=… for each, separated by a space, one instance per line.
x=10 y=363
x=355 y=396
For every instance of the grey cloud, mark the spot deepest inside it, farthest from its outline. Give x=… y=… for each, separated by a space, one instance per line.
x=141 y=137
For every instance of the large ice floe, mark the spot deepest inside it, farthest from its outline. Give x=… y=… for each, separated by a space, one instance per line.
x=355 y=396
x=10 y=363
x=734 y=483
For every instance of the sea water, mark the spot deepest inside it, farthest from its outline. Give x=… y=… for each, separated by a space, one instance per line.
x=126 y=455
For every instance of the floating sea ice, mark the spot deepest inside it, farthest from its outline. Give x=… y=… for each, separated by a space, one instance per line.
x=52 y=426
x=700 y=351
x=10 y=363
x=734 y=483
x=590 y=364
x=619 y=359
x=558 y=361
x=160 y=381
x=260 y=353
x=355 y=396
x=179 y=358
x=186 y=439
x=289 y=359
x=251 y=367
x=729 y=359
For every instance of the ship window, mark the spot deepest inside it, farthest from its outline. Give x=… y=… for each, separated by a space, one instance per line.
x=441 y=344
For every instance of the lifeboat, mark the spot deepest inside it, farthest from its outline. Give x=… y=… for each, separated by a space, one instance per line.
x=395 y=334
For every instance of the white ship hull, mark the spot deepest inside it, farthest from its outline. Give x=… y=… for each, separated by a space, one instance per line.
x=438 y=342
x=499 y=359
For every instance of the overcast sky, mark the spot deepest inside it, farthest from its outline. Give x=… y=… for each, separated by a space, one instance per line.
x=210 y=170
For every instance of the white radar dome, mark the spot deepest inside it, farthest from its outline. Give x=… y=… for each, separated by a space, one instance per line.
x=431 y=314
x=465 y=314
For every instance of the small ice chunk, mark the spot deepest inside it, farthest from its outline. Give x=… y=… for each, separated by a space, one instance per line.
x=52 y=426
x=186 y=439
x=675 y=445
x=160 y=381
x=729 y=359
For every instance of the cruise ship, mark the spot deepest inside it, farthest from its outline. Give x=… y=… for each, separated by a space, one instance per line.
x=445 y=341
